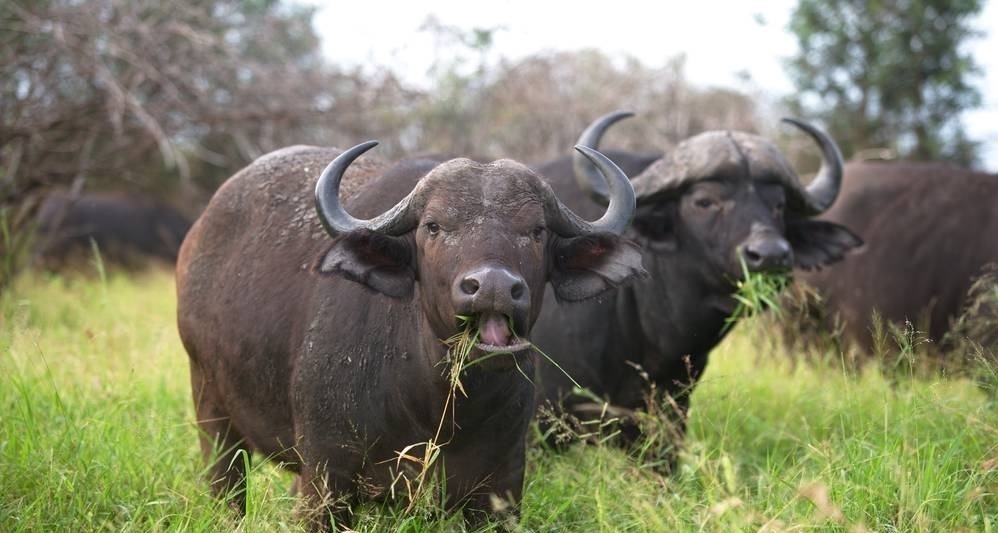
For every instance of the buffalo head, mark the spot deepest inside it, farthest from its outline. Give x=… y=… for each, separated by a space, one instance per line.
x=481 y=240
x=724 y=197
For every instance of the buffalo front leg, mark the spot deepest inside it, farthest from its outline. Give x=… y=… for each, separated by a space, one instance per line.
x=221 y=444
x=674 y=410
x=500 y=503
x=324 y=500
x=487 y=479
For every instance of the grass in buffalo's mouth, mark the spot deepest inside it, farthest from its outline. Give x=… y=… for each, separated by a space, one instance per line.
x=756 y=292
x=459 y=347
x=468 y=337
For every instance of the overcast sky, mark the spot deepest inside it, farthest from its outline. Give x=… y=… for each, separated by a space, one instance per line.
x=719 y=38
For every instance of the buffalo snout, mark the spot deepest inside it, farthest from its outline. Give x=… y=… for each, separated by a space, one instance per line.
x=491 y=288
x=767 y=252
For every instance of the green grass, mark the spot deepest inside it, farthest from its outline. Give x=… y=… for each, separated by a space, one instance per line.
x=756 y=292
x=97 y=433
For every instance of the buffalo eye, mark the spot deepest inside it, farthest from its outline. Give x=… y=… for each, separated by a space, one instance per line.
x=778 y=209
x=704 y=202
x=537 y=232
x=433 y=228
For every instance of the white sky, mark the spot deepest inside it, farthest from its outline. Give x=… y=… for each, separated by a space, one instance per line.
x=720 y=38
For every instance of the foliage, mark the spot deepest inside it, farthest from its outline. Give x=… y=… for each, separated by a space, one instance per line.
x=171 y=98
x=889 y=74
x=534 y=109
x=98 y=433
x=128 y=91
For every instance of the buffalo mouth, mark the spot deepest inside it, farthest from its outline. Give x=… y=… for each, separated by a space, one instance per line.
x=496 y=335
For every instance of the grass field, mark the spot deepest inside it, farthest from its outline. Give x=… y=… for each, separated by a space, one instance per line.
x=97 y=433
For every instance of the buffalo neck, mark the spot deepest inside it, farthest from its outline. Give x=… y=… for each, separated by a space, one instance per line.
x=674 y=312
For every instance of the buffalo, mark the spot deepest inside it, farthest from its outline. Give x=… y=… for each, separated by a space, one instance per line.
x=721 y=199
x=326 y=355
x=930 y=231
x=127 y=228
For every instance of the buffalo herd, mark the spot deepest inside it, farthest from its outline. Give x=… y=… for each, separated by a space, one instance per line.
x=317 y=339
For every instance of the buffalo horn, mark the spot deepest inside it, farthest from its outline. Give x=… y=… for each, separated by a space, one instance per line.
x=336 y=220
x=620 y=208
x=824 y=188
x=400 y=219
x=586 y=175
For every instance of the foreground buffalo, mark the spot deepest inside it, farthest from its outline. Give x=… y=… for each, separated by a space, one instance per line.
x=930 y=229
x=127 y=228
x=718 y=199
x=326 y=355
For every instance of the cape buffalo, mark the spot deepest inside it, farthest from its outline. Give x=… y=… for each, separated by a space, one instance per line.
x=126 y=227
x=929 y=228
x=326 y=355
x=717 y=199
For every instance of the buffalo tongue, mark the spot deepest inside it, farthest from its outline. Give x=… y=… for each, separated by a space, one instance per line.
x=494 y=329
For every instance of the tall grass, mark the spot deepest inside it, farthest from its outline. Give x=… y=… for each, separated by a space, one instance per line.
x=16 y=240
x=97 y=432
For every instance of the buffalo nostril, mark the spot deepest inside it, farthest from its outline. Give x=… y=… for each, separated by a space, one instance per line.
x=469 y=286
x=751 y=256
x=516 y=291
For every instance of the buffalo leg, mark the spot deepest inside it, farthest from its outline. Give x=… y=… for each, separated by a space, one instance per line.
x=221 y=443
x=493 y=492
x=676 y=407
x=501 y=503
x=324 y=498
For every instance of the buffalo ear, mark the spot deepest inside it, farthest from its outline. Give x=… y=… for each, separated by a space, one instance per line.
x=817 y=243
x=587 y=266
x=372 y=259
x=655 y=226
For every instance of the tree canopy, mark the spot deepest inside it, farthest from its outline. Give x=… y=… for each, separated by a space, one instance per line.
x=128 y=90
x=888 y=73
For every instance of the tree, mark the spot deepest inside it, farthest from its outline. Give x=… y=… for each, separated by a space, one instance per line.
x=140 y=91
x=150 y=95
x=887 y=74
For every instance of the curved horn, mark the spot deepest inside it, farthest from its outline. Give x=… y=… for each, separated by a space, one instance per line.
x=619 y=211
x=586 y=175
x=331 y=213
x=824 y=188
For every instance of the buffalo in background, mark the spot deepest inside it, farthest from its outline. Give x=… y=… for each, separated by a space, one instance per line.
x=326 y=354
x=128 y=229
x=718 y=199
x=930 y=231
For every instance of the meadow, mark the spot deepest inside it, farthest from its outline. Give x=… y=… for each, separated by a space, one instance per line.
x=97 y=433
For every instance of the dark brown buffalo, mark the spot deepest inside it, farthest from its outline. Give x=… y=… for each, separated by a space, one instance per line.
x=326 y=354
x=719 y=198
x=930 y=229
x=126 y=227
